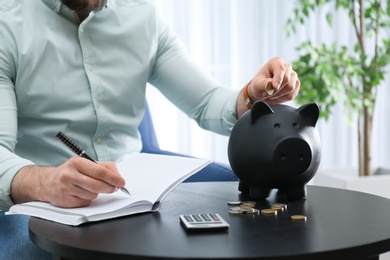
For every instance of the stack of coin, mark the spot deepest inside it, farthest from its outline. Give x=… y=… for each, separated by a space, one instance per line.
x=275 y=208
x=279 y=207
x=245 y=207
x=248 y=204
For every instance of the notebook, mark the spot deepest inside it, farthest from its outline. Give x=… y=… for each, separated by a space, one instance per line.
x=149 y=178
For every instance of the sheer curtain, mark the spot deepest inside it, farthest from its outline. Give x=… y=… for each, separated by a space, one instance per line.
x=232 y=39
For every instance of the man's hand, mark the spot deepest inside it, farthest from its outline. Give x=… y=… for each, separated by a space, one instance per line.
x=283 y=79
x=74 y=183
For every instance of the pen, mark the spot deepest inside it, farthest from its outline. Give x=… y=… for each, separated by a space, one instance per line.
x=80 y=152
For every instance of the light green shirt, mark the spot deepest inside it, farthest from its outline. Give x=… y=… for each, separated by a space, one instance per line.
x=89 y=81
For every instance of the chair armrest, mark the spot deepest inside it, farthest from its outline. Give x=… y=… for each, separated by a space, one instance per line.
x=213 y=172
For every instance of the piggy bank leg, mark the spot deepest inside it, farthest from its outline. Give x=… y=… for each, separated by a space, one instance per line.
x=254 y=192
x=243 y=187
x=259 y=192
x=296 y=192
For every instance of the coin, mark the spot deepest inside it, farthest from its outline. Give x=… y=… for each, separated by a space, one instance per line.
x=279 y=205
x=236 y=210
x=277 y=208
x=268 y=212
x=245 y=209
x=268 y=88
x=233 y=212
x=247 y=206
x=298 y=217
x=249 y=202
x=234 y=203
x=251 y=211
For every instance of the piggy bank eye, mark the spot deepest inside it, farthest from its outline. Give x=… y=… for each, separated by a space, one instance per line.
x=295 y=125
x=277 y=125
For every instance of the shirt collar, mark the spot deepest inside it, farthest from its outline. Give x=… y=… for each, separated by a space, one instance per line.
x=58 y=7
x=55 y=5
x=61 y=9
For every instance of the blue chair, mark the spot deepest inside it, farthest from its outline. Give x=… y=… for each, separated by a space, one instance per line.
x=213 y=172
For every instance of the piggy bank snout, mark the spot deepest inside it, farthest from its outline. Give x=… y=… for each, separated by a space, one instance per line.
x=292 y=156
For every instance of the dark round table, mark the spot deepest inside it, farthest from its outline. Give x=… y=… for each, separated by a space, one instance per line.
x=340 y=224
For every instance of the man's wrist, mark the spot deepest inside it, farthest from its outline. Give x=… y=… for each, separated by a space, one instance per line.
x=244 y=102
x=247 y=99
x=29 y=184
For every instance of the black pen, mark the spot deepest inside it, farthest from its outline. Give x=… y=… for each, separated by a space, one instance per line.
x=80 y=152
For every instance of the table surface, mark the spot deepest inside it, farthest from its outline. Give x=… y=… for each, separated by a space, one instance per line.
x=340 y=225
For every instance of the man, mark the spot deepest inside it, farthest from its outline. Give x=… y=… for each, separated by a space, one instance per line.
x=82 y=67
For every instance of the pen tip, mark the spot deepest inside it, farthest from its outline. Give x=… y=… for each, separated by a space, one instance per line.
x=125 y=191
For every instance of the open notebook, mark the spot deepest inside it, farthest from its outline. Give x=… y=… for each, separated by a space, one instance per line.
x=149 y=178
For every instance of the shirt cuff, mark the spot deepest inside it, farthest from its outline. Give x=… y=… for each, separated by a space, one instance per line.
x=10 y=168
x=230 y=114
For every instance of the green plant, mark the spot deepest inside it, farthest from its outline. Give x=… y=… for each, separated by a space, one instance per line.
x=334 y=72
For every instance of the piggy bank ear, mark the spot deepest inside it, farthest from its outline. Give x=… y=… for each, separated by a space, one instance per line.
x=310 y=112
x=259 y=109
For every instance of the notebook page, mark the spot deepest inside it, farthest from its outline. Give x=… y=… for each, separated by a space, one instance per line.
x=150 y=175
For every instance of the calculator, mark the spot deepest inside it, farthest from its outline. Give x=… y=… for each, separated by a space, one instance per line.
x=203 y=222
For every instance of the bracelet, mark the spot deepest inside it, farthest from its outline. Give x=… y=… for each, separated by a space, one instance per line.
x=248 y=101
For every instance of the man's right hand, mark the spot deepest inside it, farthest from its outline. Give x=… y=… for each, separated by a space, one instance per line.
x=74 y=183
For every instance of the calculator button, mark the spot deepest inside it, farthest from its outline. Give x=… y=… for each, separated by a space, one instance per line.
x=188 y=218
x=205 y=217
x=197 y=218
x=214 y=217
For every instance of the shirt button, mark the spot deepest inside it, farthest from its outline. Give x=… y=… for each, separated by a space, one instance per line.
x=99 y=140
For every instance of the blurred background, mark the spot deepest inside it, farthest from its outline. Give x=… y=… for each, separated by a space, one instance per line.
x=232 y=39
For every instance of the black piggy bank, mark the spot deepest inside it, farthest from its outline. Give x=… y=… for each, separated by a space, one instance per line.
x=275 y=147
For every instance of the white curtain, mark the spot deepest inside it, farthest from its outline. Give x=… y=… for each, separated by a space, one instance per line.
x=232 y=39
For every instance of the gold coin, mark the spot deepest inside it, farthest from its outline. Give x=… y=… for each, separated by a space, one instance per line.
x=268 y=88
x=249 y=202
x=268 y=211
x=298 y=217
x=279 y=205
x=277 y=208
x=247 y=206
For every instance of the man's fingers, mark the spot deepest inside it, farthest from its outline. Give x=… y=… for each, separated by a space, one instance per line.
x=103 y=172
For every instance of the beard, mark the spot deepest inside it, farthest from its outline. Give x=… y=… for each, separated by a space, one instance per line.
x=84 y=6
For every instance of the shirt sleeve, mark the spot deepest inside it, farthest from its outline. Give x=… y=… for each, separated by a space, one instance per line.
x=10 y=163
x=190 y=87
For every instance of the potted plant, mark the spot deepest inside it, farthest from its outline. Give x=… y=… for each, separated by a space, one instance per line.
x=334 y=72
